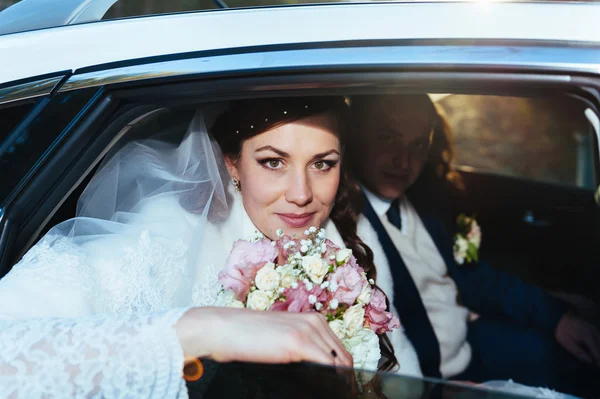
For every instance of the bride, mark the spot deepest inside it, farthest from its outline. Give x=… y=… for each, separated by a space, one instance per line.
x=128 y=287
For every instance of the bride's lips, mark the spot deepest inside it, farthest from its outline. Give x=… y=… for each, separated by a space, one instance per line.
x=296 y=220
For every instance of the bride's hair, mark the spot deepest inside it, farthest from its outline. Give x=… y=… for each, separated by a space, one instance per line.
x=247 y=118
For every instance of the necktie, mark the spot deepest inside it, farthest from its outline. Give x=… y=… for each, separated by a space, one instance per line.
x=393 y=214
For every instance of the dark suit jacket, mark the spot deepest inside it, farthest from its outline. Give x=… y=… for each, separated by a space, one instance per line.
x=482 y=288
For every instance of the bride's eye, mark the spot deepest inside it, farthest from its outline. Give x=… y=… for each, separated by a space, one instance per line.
x=324 y=165
x=272 y=163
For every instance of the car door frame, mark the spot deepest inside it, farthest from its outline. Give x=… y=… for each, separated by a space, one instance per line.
x=327 y=68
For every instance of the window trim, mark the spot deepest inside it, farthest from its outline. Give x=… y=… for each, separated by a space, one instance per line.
x=30 y=88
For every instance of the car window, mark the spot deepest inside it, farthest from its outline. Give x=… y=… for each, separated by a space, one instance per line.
x=542 y=139
x=10 y=117
x=27 y=133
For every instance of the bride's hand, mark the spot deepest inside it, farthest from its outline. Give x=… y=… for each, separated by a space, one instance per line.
x=227 y=334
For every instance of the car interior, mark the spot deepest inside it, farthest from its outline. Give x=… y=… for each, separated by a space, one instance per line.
x=542 y=230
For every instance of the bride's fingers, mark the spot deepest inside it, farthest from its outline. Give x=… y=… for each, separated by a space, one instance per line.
x=332 y=344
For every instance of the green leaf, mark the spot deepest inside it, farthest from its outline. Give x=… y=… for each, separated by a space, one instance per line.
x=473 y=252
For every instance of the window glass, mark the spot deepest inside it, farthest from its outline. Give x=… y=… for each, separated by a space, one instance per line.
x=543 y=139
x=10 y=117
x=27 y=141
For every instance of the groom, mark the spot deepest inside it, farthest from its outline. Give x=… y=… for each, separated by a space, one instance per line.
x=521 y=333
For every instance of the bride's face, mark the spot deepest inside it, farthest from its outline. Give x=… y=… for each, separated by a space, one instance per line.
x=289 y=175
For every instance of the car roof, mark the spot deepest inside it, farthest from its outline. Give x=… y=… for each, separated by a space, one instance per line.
x=72 y=47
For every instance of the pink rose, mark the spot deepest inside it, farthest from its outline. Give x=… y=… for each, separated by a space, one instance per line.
x=297 y=299
x=349 y=283
x=245 y=259
x=380 y=321
x=330 y=249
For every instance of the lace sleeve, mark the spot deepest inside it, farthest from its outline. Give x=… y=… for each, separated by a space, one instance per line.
x=99 y=356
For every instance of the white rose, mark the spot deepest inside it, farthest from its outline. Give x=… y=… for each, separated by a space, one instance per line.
x=365 y=295
x=354 y=319
x=267 y=279
x=236 y=304
x=337 y=326
x=286 y=274
x=343 y=255
x=364 y=348
x=314 y=266
x=259 y=300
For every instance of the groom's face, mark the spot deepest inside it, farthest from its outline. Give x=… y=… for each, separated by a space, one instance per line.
x=289 y=175
x=391 y=141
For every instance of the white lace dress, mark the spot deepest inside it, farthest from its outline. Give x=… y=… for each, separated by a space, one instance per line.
x=96 y=319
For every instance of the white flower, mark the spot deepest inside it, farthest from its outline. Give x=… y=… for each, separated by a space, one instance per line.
x=286 y=274
x=325 y=284
x=279 y=233
x=267 y=279
x=312 y=299
x=333 y=286
x=371 y=281
x=354 y=319
x=365 y=295
x=333 y=304
x=461 y=245
x=318 y=306
x=227 y=298
x=364 y=348
x=323 y=248
x=315 y=268
x=343 y=255
x=322 y=235
x=294 y=285
x=460 y=249
x=304 y=249
x=308 y=285
x=306 y=232
x=236 y=304
x=312 y=229
x=259 y=300
x=337 y=326
x=474 y=235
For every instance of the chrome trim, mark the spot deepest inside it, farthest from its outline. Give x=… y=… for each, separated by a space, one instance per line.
x=544 y=58
x=1 y=214
x=28 y=15
x=23 y=91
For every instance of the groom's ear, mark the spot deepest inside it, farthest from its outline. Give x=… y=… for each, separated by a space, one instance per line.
x=232 y=167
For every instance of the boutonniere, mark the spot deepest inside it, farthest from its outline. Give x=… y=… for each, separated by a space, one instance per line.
x=467 y=240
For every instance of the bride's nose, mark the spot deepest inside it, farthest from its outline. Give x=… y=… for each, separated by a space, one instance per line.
x=299 y=189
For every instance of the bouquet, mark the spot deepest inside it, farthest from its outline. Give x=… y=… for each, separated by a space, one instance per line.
x=310 y=275
x=467 y=240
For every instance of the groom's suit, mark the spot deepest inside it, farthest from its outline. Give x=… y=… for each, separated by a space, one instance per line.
x=514 y=336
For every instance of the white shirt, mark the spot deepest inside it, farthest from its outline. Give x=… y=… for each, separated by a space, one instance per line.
x=430 y=274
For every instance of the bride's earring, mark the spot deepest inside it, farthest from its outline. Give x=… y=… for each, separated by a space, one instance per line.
x=236 y=184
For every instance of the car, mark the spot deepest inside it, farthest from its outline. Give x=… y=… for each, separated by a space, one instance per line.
x=518 y=81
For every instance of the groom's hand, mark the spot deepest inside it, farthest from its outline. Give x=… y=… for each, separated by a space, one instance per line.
x=580 y=338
